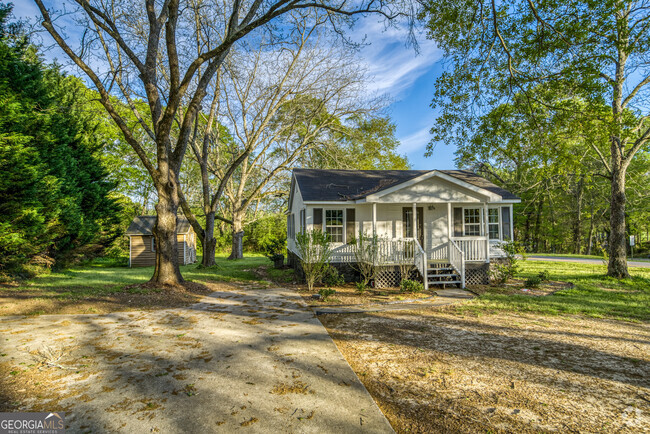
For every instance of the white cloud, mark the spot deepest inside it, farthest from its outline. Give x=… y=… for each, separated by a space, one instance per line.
x=416 y=141
x=393 y=66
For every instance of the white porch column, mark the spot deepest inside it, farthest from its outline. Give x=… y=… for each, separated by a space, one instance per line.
x=415 y=221
x=374 y=219
x=449 y=229
x=487 y=232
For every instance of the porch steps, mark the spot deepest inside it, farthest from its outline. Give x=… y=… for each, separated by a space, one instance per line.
x=443 y=274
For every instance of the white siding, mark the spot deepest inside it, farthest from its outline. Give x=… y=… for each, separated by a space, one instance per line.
x=433 y=190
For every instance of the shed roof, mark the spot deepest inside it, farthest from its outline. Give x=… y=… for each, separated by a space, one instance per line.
x=325 y=185
x=143 y=225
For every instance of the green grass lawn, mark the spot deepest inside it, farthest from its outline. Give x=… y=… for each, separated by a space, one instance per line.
x=594 y=294
x=100 y=278
x=571 y=255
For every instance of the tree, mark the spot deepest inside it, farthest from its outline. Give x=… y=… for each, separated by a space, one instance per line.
x=55 y=194
x=315 y=251
x=593 y=50
x=150 y=50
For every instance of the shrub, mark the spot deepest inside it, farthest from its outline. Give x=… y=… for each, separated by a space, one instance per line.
x=544 y=275
x=501 y=273
x=410 y=286
x=332 y=277
x=325 y=293
x=366 y=251
x=533 y=281
x=315 y=251
x=361 y=287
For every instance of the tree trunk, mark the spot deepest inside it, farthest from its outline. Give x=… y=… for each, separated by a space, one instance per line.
x=538 y=224
x=167 y=270
x=590 y=237
x=209 y=243
x=237 y=251
x=617 y=266
x=577 y=222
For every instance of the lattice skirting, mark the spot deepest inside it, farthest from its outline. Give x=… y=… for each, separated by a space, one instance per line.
x=389 y=277
x=477 y=274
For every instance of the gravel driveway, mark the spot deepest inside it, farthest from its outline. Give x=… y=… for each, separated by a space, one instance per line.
x=242 y=359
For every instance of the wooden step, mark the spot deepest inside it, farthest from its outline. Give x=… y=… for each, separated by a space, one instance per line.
x=444 y=282
x=442 y=275
x=439 y=269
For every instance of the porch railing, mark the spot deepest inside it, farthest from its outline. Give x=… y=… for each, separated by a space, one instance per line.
x=457 y=260
x=475 y=248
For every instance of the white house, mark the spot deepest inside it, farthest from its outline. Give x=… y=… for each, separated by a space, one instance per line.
x=451 y=221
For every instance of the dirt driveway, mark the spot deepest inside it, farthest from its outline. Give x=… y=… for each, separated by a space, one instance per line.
x=243 y=358
x=433 y=371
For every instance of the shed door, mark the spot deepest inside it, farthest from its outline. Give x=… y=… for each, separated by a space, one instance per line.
x=407 y=223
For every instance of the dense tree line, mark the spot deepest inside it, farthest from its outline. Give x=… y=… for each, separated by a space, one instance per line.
x=55 y=196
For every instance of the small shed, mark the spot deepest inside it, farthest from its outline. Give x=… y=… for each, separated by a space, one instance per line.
x=142 y=245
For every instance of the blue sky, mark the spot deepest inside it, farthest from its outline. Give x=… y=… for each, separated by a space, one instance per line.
x=404 y=76
x=407 y=78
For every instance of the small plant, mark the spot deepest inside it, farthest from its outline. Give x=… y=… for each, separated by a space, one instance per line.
x=315 y=251
x=326 y=293
x=544 y=276
x=366 y=254
x=410 y=286
x=502 y=272
x=361 y=287
x=533 y=281
x=332 y=277
x=274 y=251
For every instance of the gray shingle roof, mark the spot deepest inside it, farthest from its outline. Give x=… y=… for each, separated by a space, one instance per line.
x=143 y=225
x=325 y=185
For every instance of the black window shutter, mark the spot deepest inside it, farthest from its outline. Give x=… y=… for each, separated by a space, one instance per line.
x=458 y=222
x=318 y=218
x=505 y=223
x=350 y=215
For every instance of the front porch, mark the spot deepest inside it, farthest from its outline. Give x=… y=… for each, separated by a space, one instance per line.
x=442 y=240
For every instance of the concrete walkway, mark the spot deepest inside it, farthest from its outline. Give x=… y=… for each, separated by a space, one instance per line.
x=444 y=297
x=243 y=359
x=642 y=264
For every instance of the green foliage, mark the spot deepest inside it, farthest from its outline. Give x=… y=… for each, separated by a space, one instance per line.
x=366 y=252
x=544 y=275
x=326 y=293
x=361 y=287
x=507 y=269
x=267 y=234
x=408 y=285
x=332 y=277
x=315 y=252
x=533 y=282
x=55 y=192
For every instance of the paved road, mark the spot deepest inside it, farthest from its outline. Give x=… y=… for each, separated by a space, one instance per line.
x=641 y=264
x=247 y=359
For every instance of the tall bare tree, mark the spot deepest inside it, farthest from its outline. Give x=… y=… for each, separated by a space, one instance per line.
x=146 y=49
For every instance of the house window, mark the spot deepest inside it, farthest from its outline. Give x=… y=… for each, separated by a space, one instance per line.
x=302 y=221
x=471 y=222
x=334 y=224
x=153 y=244
x=493 y=223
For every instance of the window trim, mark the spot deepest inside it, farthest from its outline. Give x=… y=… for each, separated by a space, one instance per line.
x=480 y=223
x=498 y=223
x=343 y=221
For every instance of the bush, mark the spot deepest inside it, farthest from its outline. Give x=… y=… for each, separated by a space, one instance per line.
x=361 y=287
x=501 y=273
x=326 y=293
x=366 y=251
x=544 y=275
x=533 y=281
x=315 y=251
x=410 y=286
x=267 y=234
x=332 y=277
